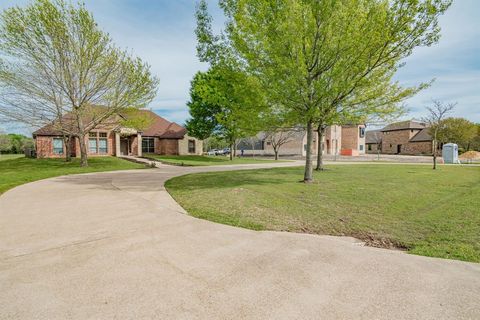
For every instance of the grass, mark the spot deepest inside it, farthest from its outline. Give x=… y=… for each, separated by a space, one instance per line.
x=18 y=171
x=203 y=160
x=4 y=157
x=412 y=207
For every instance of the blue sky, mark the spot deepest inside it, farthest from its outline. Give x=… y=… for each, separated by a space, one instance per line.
x=161 y=32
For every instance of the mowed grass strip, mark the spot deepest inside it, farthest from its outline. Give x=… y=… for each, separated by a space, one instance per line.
x=204 y=160
x=412 y=207
x=4 y=157
x=18 y=171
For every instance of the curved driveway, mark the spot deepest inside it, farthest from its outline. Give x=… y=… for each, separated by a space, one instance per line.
x=116 y=246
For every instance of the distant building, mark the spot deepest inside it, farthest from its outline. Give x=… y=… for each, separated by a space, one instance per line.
x=406 y=137
x=346 y=140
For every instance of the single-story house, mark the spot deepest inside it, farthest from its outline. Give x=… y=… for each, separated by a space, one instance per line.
x=346 y=140
x=112 y=138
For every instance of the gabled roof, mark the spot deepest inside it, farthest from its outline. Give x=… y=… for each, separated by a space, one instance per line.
x=405 y=125
x=423 y=135
x=373 y=136
x=158 y=127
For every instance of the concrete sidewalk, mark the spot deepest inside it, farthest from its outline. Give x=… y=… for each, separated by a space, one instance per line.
x=117 y=246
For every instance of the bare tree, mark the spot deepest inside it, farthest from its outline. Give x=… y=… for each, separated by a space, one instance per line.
x=277 y=137
x=377 y=138
x=57 y=65
x=436 y=114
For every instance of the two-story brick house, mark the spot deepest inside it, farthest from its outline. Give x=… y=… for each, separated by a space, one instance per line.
x=111 y=138
x=405 y=137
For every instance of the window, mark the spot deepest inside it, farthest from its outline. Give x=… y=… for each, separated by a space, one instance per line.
x=102 y=145
x=57 y=146
x=92 y=145
x=361 y=132
x=361 y=147
x=369 y=147
x=191 y=146
x=97 y=142
x=148 y=145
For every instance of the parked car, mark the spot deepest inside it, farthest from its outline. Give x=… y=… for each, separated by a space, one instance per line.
x=212 y=152
x=223 y=152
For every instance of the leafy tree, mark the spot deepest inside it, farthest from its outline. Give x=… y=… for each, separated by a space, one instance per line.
x=224 y=102
x=457 y=130
x=435 y=120
x=324 y=60
x=475 y=145
x=57 y=65
x=5 y=143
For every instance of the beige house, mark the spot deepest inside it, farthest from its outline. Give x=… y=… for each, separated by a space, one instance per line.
x=346 y=140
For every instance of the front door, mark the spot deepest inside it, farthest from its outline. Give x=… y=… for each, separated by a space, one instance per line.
x=124 y=147
x=399 y=148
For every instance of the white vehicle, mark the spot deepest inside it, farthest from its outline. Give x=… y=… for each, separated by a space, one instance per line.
x=213 y=152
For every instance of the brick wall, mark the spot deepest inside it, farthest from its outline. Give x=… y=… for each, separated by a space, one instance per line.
x=168 y=146
x=372 y=148
x=392 y=139
x=352 y=143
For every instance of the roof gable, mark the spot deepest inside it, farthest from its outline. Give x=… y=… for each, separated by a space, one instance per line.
x=405 y=125
x=159 y=126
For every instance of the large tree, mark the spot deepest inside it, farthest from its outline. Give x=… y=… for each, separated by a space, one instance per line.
x=226 y=103
x=58 y=65
x=319 y=59
x=458 y=130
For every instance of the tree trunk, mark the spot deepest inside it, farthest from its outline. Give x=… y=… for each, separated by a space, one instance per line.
x=83 y=151
x=232 y=145
x=308 y=176
x=68 y=148
x=434 y=154
x=276 y=154
x=320 y=132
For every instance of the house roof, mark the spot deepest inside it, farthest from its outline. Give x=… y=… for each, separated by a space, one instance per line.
x=158 y=127
x=373 y=136
x=405 y=125
x=423 y=135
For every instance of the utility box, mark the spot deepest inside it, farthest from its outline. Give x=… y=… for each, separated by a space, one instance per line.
x=450 y=153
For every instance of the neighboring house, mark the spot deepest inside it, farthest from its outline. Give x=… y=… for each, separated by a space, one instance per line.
x=112 y=139
x=373 y=141
x=346 y=140
x=408 y=138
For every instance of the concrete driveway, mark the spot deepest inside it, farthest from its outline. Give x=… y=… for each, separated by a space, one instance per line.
x=116 y=246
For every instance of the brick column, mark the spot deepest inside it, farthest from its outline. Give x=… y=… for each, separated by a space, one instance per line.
x=117 y=144
x=139 y=144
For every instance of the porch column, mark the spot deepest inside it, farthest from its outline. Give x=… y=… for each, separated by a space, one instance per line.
x=139 y=144
x=117 y=144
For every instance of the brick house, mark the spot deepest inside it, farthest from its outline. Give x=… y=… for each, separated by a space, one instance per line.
x=112 y=139
x=406 y=137
x=346 y=140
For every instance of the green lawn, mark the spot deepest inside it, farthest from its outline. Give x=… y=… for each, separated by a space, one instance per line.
x=4 y=157
x=204 y=160
x=15 y=172
x=426 y=212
